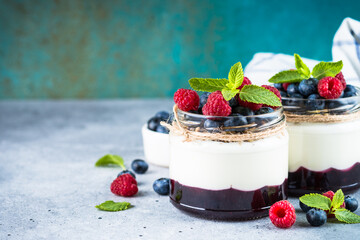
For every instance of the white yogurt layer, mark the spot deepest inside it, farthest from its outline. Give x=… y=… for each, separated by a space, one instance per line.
x=216 y=165
x=319 y=146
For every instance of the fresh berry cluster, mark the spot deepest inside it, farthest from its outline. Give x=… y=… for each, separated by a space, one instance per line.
x=153 y=123
x=314 y=90
x=214 y=104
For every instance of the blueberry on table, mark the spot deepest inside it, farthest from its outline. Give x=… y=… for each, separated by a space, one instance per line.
x=351 y=203
x=308 y=86
x=162 y=186
x=292 y=89
x=315 y=102
x=162 y=129
x=279 y=86
x=316 y=217
x=153 y=123
x=304 y=207
x=139 y=166
x=125 y=172
x=162 y=115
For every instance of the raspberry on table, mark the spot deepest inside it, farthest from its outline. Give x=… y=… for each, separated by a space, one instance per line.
x=340 y=76
x=282 y=214
x=124 y=185
x=330 y=87
x=186 y=99
x=246 y=81
x=275 y=91
x=216 y=105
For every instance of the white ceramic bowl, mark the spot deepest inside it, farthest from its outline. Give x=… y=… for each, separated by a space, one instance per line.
x=156 y=147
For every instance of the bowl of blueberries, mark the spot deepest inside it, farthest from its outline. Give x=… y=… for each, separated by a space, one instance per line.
x=156 y=139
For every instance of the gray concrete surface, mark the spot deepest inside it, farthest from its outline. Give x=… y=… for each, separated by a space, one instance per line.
x=49 y=185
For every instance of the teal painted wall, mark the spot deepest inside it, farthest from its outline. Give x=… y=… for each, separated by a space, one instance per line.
x=133 y=48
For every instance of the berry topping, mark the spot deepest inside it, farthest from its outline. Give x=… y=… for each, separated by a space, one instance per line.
x=279 y=86
x=330 y=87
x=243 y=111
x=316 y=217
x=162 y=186
x=162 y=129
x=340 y=76
x=308 y=86
x=126 y=172
x=139 y=166
x=330 y=194
x=293 y=89
x=237 y=120
x=216 y=105
x=246 y=81
x=250 y=105
x=283 y=93
x=315 y=102
x=204 y=98
x=163 y=115
x=282 y=214
x=275 y=91
x=351 y=203
x=125 y=185
x=211 y=125
x=304 y=207
x=153 y=123
x=350 y=89
x=186 y=99
x=264 y=110
x=285 y=86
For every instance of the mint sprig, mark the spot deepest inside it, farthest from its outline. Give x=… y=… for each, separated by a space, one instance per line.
x=316 y=200
x=109 y=160
x=321 y=70
x=344 y=215
x=338 y=199
x=112 y=206
x=229 y=88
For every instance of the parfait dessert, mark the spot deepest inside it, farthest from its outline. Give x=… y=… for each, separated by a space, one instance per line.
x=229 y=148
x=323 y=116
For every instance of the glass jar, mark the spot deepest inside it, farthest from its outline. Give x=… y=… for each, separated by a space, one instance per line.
x=219 y=179
x=324 y=152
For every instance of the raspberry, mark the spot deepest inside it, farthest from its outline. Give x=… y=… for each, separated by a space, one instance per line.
x=246 y=81
x=330 y=194
x=186 y=99
x=274 y=90
x=252 y=106
x=340 y=76
x=285 y=85
x=216 y=105
x=282 y=214
x=125 y=185
x=330 y=87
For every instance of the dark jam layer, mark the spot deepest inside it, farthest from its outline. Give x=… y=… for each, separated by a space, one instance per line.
x=305 y=181
x=228 y=204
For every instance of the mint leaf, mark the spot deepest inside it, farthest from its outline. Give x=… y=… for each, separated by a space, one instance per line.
x=208 y=84
x=338 y=199
x=112 y=206
x=229 y=93
x=109 y=159
x=287 y=76
x=301 y=67
x=256 y=94
x=316 y=200
x=344 y=215
x=236 y=75
x=326 y=69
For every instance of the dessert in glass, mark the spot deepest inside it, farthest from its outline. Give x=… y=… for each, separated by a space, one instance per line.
x=323 y=117
x=228 y=161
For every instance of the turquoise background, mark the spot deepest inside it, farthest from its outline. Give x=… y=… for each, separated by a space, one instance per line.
x=128 y=48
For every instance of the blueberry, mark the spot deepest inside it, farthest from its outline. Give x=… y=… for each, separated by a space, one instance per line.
x=264 y=110
x=349 y=94
x=139 y=166
x=278 y=86
x=153 y=123
x=162 y=186
x=162 y=129
x=315 y=102
x=243 y=111
x=233 y=102
x=351 y=203
x=316 y=217
x=204 y=98
x=237 y=120
x=292 y=89
x=335 y=103
x=211 y=125
x=170 y=119
x=125 y=172
x=308 y=86
x=163 y=115
x=297 y=95
x=350 y=88
x=304 y=207
x=283 y=93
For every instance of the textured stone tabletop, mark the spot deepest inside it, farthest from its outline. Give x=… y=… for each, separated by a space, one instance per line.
x=49 y=185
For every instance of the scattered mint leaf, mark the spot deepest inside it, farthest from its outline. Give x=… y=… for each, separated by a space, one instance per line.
x=109 y=159
x=344 y=215
x=338 y=199
x=316 y=200
x=287 y=76
x=208 y=84
x=236 y=75
x=301 y=67
x=256 y=94
x=229 y=93
x=112 y=206
x=326 y=69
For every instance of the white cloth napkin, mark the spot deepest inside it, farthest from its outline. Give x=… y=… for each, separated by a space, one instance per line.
x=345 y=47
